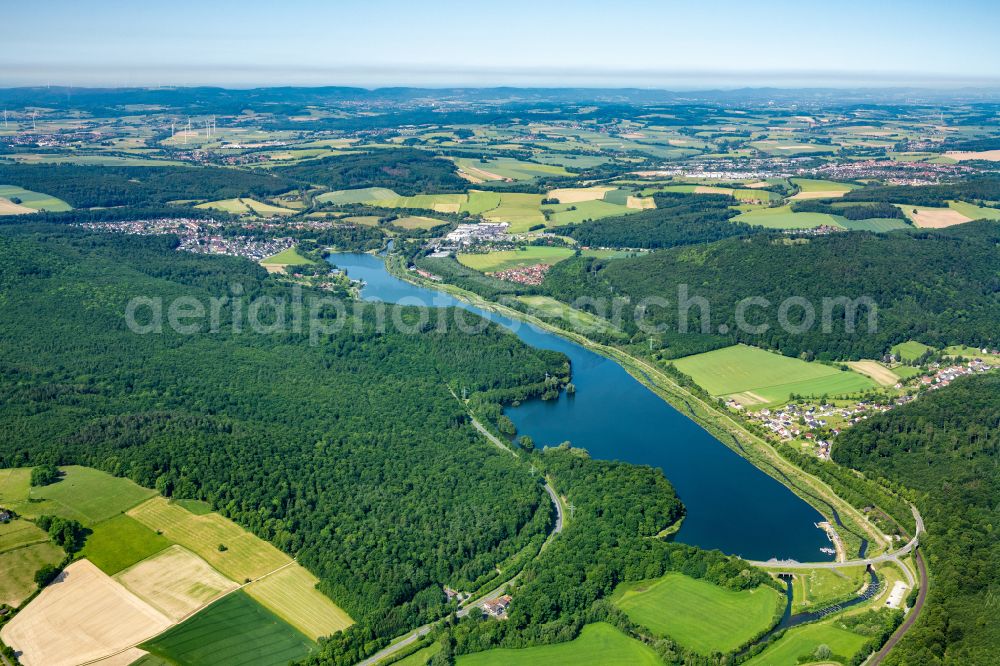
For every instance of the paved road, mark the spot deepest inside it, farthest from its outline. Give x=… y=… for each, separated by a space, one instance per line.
x=886 y=557
x=911 y=617
x=420 y=632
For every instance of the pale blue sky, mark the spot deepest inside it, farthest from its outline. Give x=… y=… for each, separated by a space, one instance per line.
x=677 y=44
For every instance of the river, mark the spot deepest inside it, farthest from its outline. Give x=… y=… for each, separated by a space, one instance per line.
x=731 y=505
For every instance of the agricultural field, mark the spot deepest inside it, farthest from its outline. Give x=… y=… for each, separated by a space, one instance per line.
x=420 y=657
x=927 y=217
x=245 y=556
x=574 y=213
x=479 y=202
x=291 y=594
x=911 y=350
x=176 y=582
x=878 y=225
x=598 y=643
x=799 y=643
x=32 y=201
x=755 y=376
x=84 y=494
x=521 y=210
x=527 y=256
x=814 y=588
x=972 y=352
x=120 y=542
x=84 y=615
x=246 y=206
x=439 y=203
x=782 y=217
x=508 y=169
x=233 y=631
x=881 y=374
x=24 y=549
x=974 y=212
x=417 y=222
x=820 y=189
x=697 y=614
x=366 y=194
x=569 y=195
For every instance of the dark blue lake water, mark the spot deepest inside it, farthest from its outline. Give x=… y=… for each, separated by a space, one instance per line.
x=731 y=505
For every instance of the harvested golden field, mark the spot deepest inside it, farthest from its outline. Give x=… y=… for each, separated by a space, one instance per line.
x=934 y=218
x=83 y=615
x=819 y=194
x=291 y=594
x=640 y=203
x=176 y=582
x=988 y=155
x=569 y=195
x=8 y=207
x=244 y=556
x=875 y=370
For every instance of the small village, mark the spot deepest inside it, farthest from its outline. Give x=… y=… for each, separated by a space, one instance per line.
x=815 y=423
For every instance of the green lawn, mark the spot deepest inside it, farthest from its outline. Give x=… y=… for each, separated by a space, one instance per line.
x=782 y=217
x=84 y=494
x=701 y=616
x=598 y=644
x=803 y=641
x=529 y=256
x=119 y=542
x=234 y=631
x=741 y=369
x=910 y=350
x=287 y=257
x=34 y=200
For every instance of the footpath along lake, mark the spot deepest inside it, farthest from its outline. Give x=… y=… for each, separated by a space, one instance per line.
x=731 y=505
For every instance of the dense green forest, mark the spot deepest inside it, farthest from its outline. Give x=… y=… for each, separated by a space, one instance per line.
x=405 y=170
x=86 y=186
x=678 y=219
x=351 y=453
x=945 y=447
x=860 y=211
x=938 y=287
x=974 y=189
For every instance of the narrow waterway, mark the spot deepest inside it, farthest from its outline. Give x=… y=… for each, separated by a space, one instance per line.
x=731 y=505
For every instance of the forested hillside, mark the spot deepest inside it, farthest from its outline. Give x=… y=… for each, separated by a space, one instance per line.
x=105 y=186
x=351 y=453
x=946 y=447
x=678 y=219
x=405 y=170
x=937 y=287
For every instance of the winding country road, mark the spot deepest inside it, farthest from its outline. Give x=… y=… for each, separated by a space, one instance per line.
x=420 y=632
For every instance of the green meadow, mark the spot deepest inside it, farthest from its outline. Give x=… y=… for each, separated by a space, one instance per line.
x=233 y=631
x=84 y=494
x=813 y=588
x=119 y=542
x=287 y=257
x=700 y=616
x=813 y=185
x=510 y=168
x=911 y=350
x=753 y=375
x=34 y=200
x=782 y=217
x=598 y=644
x=800 y=643
x=584 y=210
x=521 y=210
x=357 y=196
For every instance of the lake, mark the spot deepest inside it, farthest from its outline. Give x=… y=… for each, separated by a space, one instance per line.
x=731 y=505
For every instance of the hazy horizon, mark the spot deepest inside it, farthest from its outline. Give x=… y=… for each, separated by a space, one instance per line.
x=635 y=43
